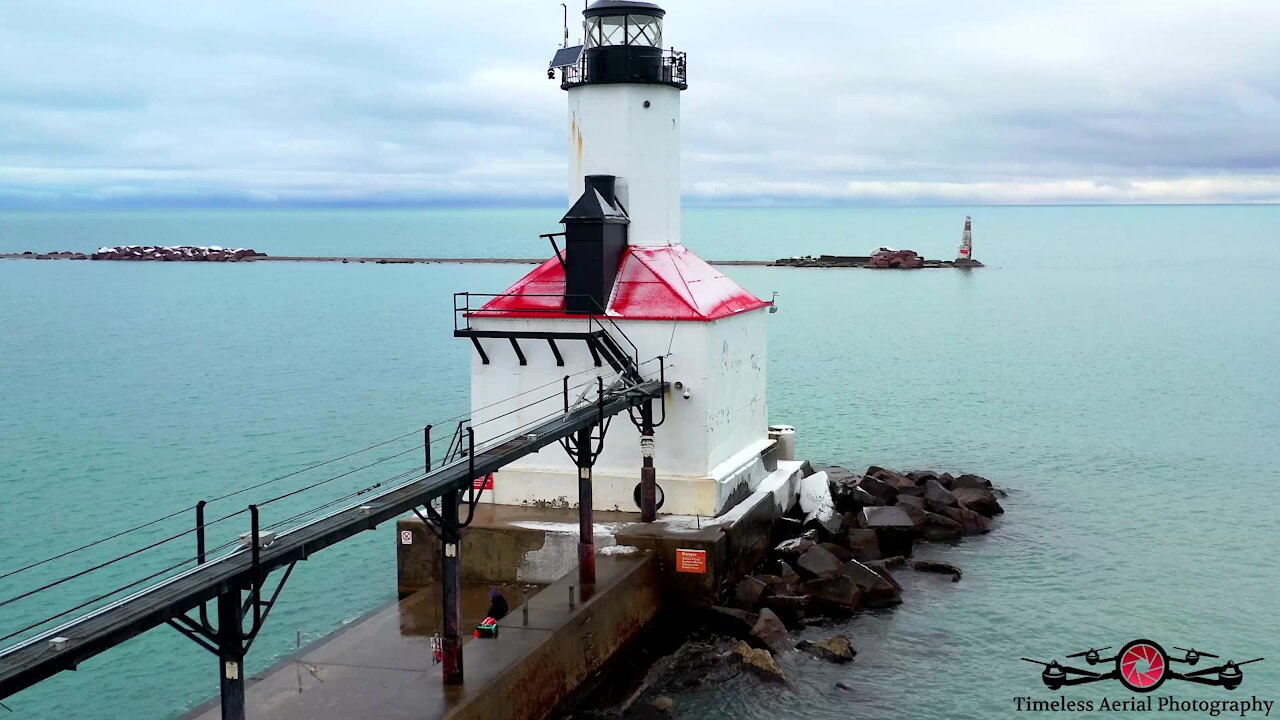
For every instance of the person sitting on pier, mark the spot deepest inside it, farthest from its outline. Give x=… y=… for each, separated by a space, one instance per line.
x=488 y=628
x=497 y=604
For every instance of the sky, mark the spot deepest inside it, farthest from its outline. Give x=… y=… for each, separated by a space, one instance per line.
x=155 y=102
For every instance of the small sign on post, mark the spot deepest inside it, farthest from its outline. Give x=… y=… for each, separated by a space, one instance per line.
x=691 y=561
x=406 y=537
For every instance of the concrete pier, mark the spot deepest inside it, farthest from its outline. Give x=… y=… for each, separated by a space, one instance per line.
x=381 y=667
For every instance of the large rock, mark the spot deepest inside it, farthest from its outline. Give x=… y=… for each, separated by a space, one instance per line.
x=979 y=500
x=732 y=622
x=791 y=609
x=879 y=568
x=789 y=575
x=910 y=501
x=937 y=567
x=895 y=530
x=876 y=487
x=971 y=523
x=772 y=582
x=771 y=632
x=923 y=476
x=748 y=593
x=858 y=497
x=893 y=562
x=792 y=549
x=892 y=516
x=839 y=594
x=837 y=475
x=816 y=503
x=845 y=493
x=940 y=527
x=841 y=554
x=914 y=510
x=889 y=477
x=970 y=481
x=938 y=498
x=836 y=648
x=862 y=544
x=760 y=662
x=819 y=563
x=876 y=591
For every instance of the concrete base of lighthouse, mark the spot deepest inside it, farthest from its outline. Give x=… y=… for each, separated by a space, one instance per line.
x=536 y=545
x=707 y=495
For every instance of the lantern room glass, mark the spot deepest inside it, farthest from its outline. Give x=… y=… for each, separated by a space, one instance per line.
x=614 y=30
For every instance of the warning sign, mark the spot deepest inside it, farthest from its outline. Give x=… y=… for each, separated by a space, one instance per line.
x=691 y=561
x=483 y=483
x=406 y=537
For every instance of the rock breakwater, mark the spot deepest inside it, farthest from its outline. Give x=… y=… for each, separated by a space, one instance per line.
x=825 y=567
x=175 y=253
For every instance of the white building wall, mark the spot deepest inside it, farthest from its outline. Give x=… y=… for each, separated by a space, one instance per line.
x=611 y=132
x=709 y=442
x=737 y=412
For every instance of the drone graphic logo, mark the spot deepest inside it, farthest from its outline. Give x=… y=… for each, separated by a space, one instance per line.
x=1142 y=666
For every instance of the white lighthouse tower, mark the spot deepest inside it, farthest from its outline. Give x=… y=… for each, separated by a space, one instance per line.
x=965 y=251
x=623 y=286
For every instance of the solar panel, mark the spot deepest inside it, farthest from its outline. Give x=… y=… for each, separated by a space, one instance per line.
x=566 y=57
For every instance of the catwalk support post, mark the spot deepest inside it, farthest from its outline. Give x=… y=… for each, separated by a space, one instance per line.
x=450 y=589
x=586 y=524
x=648 y=474
x=231 y=655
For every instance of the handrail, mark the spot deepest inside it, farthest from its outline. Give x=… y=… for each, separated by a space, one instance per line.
x=31 y=660
x=671 y=66
x=464 y=311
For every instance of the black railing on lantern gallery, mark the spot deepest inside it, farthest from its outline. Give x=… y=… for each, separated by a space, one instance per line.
x=627 y=64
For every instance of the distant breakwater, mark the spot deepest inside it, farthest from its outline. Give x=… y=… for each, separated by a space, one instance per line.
x=898 y=260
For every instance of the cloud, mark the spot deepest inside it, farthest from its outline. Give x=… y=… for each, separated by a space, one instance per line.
x=970 y=101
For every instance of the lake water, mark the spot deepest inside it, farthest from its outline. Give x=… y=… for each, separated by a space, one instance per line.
x=1114 y=367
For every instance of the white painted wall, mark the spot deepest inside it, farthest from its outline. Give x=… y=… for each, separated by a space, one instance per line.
x=611 y=132
x=709 y=442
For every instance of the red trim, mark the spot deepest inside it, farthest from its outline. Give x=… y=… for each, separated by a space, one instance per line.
x=654 y=283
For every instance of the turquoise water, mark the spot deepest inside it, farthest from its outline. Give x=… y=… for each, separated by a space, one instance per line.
x=1115 y=368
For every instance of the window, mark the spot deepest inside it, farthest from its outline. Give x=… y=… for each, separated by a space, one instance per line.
x=613 y=30
x=644 y=30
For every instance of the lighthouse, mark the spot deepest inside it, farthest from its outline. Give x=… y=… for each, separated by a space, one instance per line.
x=965 y=251
x=622 y=300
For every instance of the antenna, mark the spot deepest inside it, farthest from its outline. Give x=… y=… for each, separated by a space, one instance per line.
x=566 y=25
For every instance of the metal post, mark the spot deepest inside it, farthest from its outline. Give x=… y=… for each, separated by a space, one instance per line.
x=450 y=589
x=200 y=531
x=648 y=474
x=426 y=444
x=586 y=526
x=231 y=655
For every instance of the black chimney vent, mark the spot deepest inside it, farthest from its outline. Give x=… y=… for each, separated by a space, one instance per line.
x=595 y=239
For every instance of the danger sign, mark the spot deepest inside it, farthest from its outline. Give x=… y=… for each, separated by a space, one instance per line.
x=691 y=561
x=483 y=483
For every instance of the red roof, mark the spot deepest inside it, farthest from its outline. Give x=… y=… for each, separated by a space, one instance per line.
x=654 y=283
